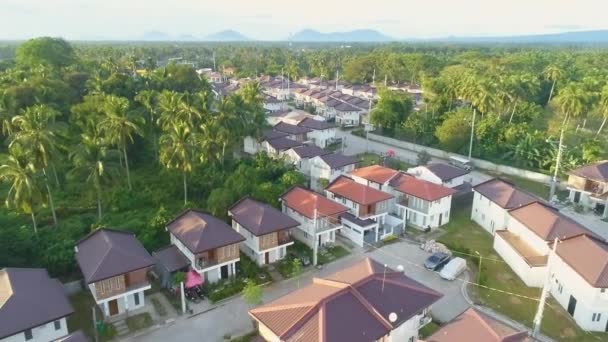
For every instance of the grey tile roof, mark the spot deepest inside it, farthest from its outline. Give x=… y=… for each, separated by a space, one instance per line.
x=505 y=194
x=446 y=172
x=282 y=144
x=171 y=258
x=260 y=218
x=316 y=124
x=290 y=129
x=309 y=151
x=338 y=160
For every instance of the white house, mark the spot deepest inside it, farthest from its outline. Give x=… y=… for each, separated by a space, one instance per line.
x=33 y=306
x=493 y=199
x=272 y=104
x=322 y=133
x=588 y=186
x=579 y=280
x=368 y=220
x=526 y=242
x=365 y=302
x=115 y=266
x=266 y=230
x=318 y=216
x=300 y=156
x=328 y=167
x=210 y=245
x=440 y=173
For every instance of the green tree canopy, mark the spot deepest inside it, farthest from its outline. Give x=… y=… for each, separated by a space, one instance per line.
x=53 y=52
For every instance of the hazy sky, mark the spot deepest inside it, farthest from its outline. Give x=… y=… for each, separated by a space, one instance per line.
x=276 y=19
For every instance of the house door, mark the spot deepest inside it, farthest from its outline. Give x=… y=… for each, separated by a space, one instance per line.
x=606 y=326
x=113 y=306
x=319 y=240
x=571 y=305
x=267 y=258
x=577 y=197
x=440 y=217
x=224 y=271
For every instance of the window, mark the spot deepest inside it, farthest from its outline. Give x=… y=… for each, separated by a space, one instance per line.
x=28 y=334
x=483 y=217
x=411 y=339
x=560 y=288
x=57 y=325
x=603 y=290
x=136 y=298
x=596 y=317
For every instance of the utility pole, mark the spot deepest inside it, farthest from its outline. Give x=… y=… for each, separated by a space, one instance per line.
x=95 y=323
x=337 y=78
x=314 y=245
x=374 y=77
x=557 y=164
x=214 y=69
x=385 y=80
x=472 y=133
x=543 y=296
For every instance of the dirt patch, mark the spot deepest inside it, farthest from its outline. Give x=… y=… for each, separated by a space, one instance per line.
x=504 y=277
x=567 y=333
x=515 y=300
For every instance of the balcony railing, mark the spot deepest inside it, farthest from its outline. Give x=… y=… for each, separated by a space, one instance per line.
x=284 y=239
x=201 y=263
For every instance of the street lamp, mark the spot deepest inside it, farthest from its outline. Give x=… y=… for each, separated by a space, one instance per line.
x=479 y=271
x=558 y=160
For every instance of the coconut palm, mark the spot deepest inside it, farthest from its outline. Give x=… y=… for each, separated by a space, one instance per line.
x=572 y=101
x=603 y=108
x=553 y=73
x=23 y=193
x=176 y=107
x=120 y=125
x=6 y=114
x=180 y=149
x=37 y=136
x=94 y=162
x=148 y=99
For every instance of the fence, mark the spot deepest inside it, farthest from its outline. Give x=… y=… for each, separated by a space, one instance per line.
x=478 y=163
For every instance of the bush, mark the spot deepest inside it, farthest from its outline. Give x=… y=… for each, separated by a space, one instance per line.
x=224 y=289
x=360 y=132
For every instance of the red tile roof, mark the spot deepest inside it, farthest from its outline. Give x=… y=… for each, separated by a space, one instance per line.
x=597 y=171
x=547 y=222
x=346 y=187
x=419 y=188
x=305 y=201
x=375 y=173
x=588 y=256
x=352 y=305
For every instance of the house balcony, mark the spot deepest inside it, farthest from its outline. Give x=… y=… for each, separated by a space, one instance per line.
x=202 y=264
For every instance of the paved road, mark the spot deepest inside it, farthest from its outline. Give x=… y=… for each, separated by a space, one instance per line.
x=232 y=318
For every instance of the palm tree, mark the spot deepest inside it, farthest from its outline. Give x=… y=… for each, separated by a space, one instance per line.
x=94 y=162
x=24 y=192
x=176 y=107
x=148 y=99
x=179 y=149
x=603 y=107
x=37 y=136
x=572 y=101
x=521 y=86
x=6 y=106
x=119 y=125
x=553 y=73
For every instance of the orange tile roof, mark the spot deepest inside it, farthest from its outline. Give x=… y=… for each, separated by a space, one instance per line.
x=547 y=222
x=346 y=187
x=588 y=256
x=306 y=201
x=375 y=173
x=425 y=190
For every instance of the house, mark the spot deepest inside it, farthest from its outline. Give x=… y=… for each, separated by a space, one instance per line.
x=272 y=104
x=376 y=176
x=300 y=156
x=293 y=132
x=473 y=325
x=33 y=306
x=266 y=230
x=493 y=199
x=368 y=220
x=328 y=167
x=526 y=242
x=588 y=186
x=252 y=145
x=579 y=280
x=440 y=173
x=318 y=217
x=362 y=303
x=322 y=133
x=115 y=266
x=421 y=204
x=277 y=147
x=169 y=260
x=210 y=245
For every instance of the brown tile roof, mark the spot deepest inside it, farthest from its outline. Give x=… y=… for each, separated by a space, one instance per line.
x=346 y=187
x=375 y=173
x=305 y=201
x=30 y=298
x=171 y=258
x=337 y=160
x=588 y=256
x=106 y=253
x=446 y=172
x=425 y=190
x=505 y=194
x=260 y=218
x=290 y=129
x=473 y=325
x=547 y=222
x=351 y=305
x=200 y=232
x=597 y=171
x=77 y=336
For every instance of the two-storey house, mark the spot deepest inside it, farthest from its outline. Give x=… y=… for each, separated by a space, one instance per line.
x=367 y=220
x=115 y=266
x=318 y=217
x=526 y=242
x=266 y=230
x=33 y=306
x=294 y=132
x=210 y=245
x=440 y=173
x=493 y=199
x=366 y=302
x=588 y=186
x=300 y=156
x=322 y=133
x=579 y=280
x=328 y=167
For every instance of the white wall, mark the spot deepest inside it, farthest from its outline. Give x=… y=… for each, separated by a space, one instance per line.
x=319 y=169
x=531 y=276
x=488 y=214
x=539 y=245
x=566 y=282
x=42 y=333
x=251 y=145
x=407 y=330
x=421 y=172
x=322 y=138
x=348 y=118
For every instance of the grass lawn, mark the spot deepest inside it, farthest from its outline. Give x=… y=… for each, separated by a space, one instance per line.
x=498 y=275
x=329 y=254
x=139 y=322
x=429 y=329
x=82 y=318
x=245 y=338
x=367 y=159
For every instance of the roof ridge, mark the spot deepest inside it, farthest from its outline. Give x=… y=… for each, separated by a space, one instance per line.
x=483 y=322
x=409 y=286
x=283 y=307
x=371 y=308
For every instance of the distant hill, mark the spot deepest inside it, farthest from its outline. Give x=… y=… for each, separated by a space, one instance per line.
x=226 y=36
x=348 y=36
x=156 y=36
x=580 y=37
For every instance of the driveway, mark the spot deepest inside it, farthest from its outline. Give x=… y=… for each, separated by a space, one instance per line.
x=232 y=319
x=589 y=220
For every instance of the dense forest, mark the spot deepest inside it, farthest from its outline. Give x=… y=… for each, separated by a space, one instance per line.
x=90 y=140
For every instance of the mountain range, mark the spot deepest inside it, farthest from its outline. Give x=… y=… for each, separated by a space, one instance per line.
x=366 y=35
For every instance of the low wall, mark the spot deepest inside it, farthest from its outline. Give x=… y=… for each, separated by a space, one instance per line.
x=478 y=163
x=73 y=287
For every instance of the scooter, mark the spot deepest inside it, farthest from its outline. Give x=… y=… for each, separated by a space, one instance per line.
x=199 y=292
x=191 y=296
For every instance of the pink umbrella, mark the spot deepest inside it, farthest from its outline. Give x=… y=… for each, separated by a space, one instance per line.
x=193 y=279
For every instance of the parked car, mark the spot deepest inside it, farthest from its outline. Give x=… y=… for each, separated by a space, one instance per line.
x=461 y=163
x=436 y=261
x=453 y=269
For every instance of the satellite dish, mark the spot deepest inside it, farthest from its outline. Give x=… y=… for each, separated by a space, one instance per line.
x=392 y=317
x=400 y=268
